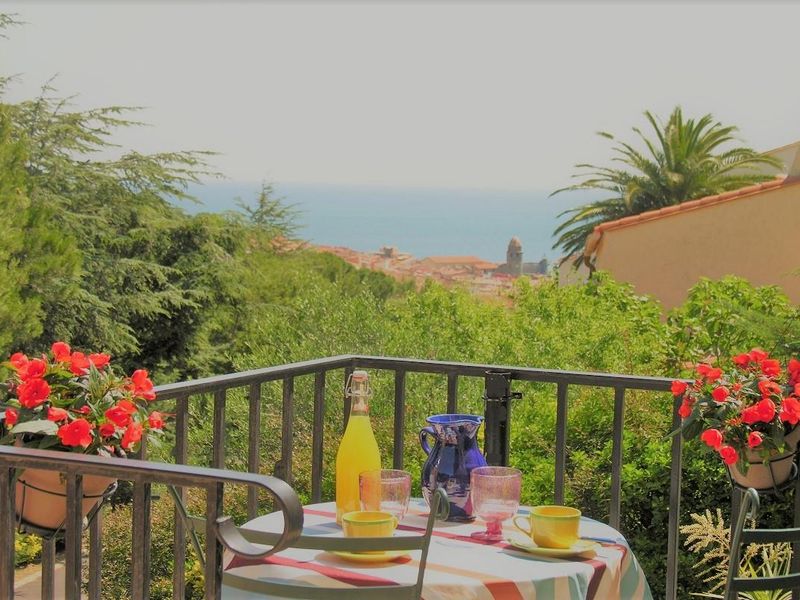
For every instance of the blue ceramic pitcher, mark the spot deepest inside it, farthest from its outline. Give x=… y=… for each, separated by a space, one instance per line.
x=455 y=453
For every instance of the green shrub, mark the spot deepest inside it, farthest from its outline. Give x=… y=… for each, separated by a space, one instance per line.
x=725 y=317
x=117 y=551
x=27 y=548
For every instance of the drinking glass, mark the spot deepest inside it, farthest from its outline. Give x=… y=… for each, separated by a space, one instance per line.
x=495 y=498
x=387 y=490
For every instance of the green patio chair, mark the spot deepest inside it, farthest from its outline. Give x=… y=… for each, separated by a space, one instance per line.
x=741 y=536
x=241 y=540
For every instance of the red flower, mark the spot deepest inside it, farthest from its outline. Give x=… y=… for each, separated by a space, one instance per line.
x=720 y=394
x=790 y=410
x=702 y=369
x=771 y=367
x=120 y=414
x=678 y=388
x=156 y=420
x=56 y=414
x=17 y=360
x=757 y=355
x=11 y=417
x=712 y=437
x=99 y=360
x=797 y=389
x=736 y=387
x=142 y=386
x=132 y=435
x=107 y=429
x=60 y=351
x=685 y=409
x=741 y=360
x=754 y=439
x=750 y=415
x=711 y=374
x=766 y=409
x=769 y=388
x=33 y=392
x=794 y=371
x=728 y=454
x=32 y=369
x=77 y=433
x=84 y=410
x=78 y=363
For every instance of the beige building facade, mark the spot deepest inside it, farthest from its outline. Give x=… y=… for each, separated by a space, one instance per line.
x=753 y=233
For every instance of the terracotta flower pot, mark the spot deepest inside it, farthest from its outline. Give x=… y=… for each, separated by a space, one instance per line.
x=41 y=496
x=764 y=476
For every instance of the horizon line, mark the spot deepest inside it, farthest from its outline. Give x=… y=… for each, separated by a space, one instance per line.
x=420 y=186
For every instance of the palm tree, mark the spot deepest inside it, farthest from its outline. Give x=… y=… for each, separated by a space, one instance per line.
x=684 y=162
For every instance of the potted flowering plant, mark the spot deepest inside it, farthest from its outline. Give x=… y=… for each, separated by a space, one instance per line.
x=748 y=413
x=72 y=402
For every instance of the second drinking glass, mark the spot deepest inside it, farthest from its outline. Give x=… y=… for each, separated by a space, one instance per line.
x=495 y=498
x=387 y=490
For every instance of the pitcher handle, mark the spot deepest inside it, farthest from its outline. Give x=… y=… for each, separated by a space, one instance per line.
x=423 y=439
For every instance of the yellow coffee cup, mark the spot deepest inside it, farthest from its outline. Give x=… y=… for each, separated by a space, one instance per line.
x=368 y=523
x=551 y=526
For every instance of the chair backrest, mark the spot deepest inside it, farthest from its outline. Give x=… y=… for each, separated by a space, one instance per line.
x=741 y=536
x=240 y=541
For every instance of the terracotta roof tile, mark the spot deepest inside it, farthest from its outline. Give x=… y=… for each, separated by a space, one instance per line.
x=454 y=260
x=699 y=203
x=486 y=265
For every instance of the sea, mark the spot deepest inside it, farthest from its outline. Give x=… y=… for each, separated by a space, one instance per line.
x=417 y=220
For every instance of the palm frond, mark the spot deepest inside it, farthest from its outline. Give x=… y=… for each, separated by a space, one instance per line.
x=684 y=160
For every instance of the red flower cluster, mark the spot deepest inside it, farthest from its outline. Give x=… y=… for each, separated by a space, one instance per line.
x=747 y=408
x=94 y=410
x=142 y=386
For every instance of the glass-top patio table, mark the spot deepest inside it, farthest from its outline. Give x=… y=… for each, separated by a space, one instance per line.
x=458 y=566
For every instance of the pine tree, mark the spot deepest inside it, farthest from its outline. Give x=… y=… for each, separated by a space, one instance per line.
x=37 y=263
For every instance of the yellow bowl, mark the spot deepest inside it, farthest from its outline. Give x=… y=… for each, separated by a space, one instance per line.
x=368 y=523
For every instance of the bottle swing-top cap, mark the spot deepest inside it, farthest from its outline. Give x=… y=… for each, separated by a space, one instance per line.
x=358 y=390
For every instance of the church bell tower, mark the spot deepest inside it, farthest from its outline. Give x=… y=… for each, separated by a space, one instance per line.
x=514 y=256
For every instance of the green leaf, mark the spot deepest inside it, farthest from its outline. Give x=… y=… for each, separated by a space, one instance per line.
x=692 y=428
x=776 y=431
x=42 y=426
x=48 y=442
x=673 y=433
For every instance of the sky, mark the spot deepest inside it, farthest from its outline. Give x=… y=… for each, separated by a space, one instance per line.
x=460 y=95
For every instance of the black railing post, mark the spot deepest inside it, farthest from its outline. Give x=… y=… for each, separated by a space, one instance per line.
x=318 y=446
x=497 y=395
x=7 y=488
x=253 y=445
x=179 y=536
x=73 y=529
x=213 y=570
x=140 y=550
x=399 y=418
x=49 y=568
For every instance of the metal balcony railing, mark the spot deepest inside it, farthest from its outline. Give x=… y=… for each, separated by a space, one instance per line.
x=498 y=380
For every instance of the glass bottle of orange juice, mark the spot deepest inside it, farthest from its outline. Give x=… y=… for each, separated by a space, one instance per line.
x=358 y=450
